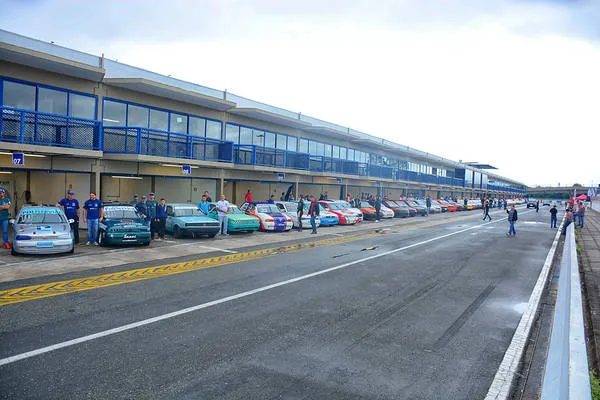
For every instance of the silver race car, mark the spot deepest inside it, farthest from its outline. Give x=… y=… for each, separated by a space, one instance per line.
x=41 y=230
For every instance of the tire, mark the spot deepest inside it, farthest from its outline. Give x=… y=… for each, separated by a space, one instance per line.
x=212 y=235
x=146 y=243
x=72 y=249
x=102 y=238
x=177 y=233
x=13 y=252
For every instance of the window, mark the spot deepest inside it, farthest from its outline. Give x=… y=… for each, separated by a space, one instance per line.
x=178 y=123
x=213 y=129
x=137 y=116
x=18 y=95
x=303 y=146
x=351 y=154
x=82 y=106
x=258 y=137
x=159 y=120
x=245 y=135
x=198 y=126
x=232 y=133
x=281 y=141
x=269 y=139
x=343 y=153
x=312 y=147
x=52 y=101
x=336 y=151
x=292 y=143
x=320 y=149
x=327 y=150
x=114 y=113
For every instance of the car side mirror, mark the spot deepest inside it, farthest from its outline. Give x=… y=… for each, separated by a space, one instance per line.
x=71 y=221
x=12 y=221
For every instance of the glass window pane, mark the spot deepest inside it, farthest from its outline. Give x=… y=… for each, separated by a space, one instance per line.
x=114 y=113
x=312 y=147
x=245 y=135
x=258 y=137
x=269 y=139
x=327 y=150
x=82 y=106
x=343 y=153
x=292 y=143
x=303 y=146
x=351 y=154
x=213 y=129
x=18 y=95
x=232 y=133
x=336 y=151
x=159 y=120
x=137 y=116
x=52 y=101
x=281 y=141
x=198 y=126
x=320 y=149
x=178 y=123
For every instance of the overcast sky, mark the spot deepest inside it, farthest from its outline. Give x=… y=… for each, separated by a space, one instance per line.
x=512 y=83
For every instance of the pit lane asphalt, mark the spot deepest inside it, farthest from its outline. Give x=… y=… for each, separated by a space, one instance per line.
x=431 y=321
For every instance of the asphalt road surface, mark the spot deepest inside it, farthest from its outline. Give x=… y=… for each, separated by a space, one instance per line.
x=404 y=313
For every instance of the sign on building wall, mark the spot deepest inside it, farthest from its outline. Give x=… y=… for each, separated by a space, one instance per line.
x=280 y=176
x=338 y=180
x=186 y=169
x=18 y=159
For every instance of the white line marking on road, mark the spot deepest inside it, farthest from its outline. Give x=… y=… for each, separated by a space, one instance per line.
x=502 y=383
x=217 y=249
x=83 y=339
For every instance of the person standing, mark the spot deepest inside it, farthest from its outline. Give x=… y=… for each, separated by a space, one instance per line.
x=161 y=218
x=428 y=204
x=4 y=210
x=537 y=206
x=93 y=211
x=314 y=212
x=377 y=205
x=580 y=214
x=142 y=210
x=349 y=198
x=271 y=199
x=248 y=197
x=300 y=213
x=282 y=197
x=207 y=196
x=204 y=205
x=465 y=203
x=135 y=200
x=71 y=207
x=486 y=207
x=223 y=208
x=512 y=218
x=553 y=212
x=151 y=205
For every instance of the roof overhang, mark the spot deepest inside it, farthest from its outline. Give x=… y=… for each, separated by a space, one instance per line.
x=322 y=130
x=171 y=92
x=35 y=59
x=267 y=116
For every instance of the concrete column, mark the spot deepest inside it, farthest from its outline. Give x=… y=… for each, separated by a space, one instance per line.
x=97 y=183
x=221 y=186
x=296 y=192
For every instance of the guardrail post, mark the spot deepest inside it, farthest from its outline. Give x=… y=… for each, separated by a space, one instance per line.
x=22 y=133
x=138 y=142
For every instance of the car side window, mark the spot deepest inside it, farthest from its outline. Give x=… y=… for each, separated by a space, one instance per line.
x=169 y=211
x=280 y=206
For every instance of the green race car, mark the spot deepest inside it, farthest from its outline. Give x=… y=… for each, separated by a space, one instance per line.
x=237 y=220
x=122 y=225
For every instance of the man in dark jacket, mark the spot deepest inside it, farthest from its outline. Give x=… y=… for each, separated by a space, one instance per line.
x=512 y=218
x=161 y=218
x=377 y=205
x=553 y=212
x=486 y=207
x=300 y=213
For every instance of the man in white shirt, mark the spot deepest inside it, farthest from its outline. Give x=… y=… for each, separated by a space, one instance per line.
x=223 y=209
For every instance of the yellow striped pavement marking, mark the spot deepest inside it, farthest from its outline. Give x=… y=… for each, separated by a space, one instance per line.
x=34 y=292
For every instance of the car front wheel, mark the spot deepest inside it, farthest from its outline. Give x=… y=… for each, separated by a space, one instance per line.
x=177 y=233
x=102 y=238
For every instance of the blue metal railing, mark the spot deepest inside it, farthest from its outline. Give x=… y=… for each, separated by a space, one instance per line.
x=37 y=128
x=124 y=140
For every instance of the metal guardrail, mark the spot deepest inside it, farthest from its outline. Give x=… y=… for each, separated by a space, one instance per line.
x=567 y=372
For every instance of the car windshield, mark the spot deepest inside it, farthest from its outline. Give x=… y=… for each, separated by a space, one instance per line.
x=336 y=206
x=234 y=210
x=365 y=204
x=391 y=203
x=41 y=216
x=187 y=212
x=267 y=208
x=120 y=213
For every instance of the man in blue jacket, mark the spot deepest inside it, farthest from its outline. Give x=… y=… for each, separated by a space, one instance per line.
x=71 y=207
x=161 y=218
x=93 y=211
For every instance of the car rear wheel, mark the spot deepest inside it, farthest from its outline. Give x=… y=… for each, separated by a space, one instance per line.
x=12 y=251
x=212 y=235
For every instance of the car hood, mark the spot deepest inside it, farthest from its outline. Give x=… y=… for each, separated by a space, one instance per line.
x=194 y=219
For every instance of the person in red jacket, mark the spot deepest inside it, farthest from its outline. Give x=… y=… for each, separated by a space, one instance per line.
x=248 y=198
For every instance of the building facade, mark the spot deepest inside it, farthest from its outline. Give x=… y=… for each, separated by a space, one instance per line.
x=88 y=123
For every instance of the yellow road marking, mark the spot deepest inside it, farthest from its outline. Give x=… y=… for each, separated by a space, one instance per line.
x=34 y=292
